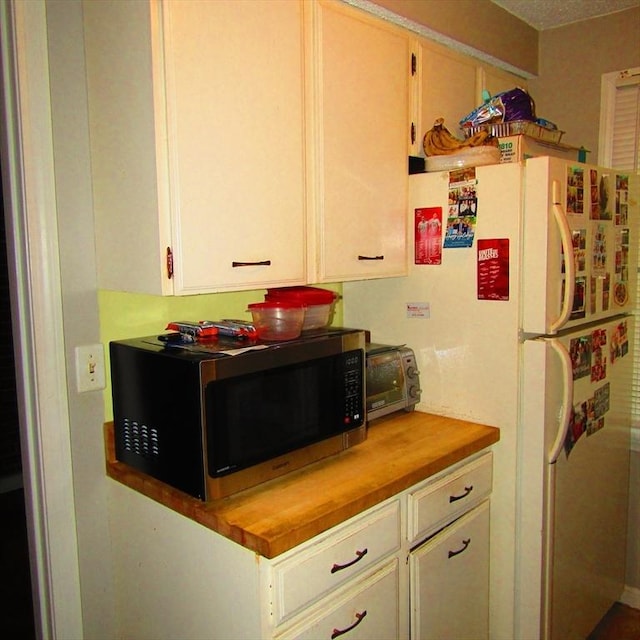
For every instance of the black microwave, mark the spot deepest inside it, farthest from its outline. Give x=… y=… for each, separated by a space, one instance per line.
x=212 y=419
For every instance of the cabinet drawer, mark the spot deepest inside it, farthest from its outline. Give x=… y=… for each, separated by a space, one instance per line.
x=436 y=504
x=347 y=551
x=367 y=609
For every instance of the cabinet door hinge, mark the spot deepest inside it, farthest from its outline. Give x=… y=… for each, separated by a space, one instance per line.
x=169 y=263
x=414 y=64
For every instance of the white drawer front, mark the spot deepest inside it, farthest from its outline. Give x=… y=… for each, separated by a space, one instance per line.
x=367 y=609
x=334 y=559
x=440 y=502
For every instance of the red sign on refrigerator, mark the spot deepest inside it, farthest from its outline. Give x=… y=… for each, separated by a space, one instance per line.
x=493 y=269
x=428 y=235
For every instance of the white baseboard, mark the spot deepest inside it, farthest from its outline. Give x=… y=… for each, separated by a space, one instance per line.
x=631 y=597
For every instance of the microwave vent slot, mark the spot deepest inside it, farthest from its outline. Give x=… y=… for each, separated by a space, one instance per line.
x=140 y=439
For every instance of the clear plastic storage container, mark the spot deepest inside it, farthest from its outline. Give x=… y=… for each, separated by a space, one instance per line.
x=277 y=320
x=318 y=303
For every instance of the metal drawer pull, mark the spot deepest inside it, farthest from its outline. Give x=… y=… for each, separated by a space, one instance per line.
x=359 y=556
x=261 y=263
x=339 y=632
x=465 y=544
x=467 y=491
x=370 y=257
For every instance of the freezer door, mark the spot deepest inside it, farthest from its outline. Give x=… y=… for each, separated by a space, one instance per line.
x=579 y=244
x=573 y=478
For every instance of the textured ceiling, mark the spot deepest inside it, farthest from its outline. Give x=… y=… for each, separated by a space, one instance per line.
x=546 y=14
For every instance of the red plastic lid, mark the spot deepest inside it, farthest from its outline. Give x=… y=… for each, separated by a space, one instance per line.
x=305 y=295
x=276 y=304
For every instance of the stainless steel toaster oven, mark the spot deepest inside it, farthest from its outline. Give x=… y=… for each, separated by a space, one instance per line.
x=392 y=379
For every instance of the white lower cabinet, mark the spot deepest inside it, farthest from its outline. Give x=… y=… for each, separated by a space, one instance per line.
x=414 y=566
x=449 y=576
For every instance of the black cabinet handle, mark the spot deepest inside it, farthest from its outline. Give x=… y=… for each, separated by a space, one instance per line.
x=467 y=491
x=260 y=263
x=340 y=632
x=370 y=257
x=169 y=261
x=359 y=556
x=465 y=544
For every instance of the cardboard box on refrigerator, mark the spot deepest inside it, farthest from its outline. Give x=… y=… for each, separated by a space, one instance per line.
x=521 y=147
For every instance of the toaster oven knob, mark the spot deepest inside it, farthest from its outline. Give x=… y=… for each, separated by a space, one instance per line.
x=412 y=372
x=414 y=392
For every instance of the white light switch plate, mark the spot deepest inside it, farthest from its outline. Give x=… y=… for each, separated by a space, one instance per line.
x=90 y=368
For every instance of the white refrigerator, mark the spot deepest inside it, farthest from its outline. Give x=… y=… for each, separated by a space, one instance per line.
x=517 y=305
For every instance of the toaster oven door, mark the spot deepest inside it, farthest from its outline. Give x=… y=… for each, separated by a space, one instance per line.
x=385 y=381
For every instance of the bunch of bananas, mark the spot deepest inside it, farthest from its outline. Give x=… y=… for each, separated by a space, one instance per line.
x=439 y=141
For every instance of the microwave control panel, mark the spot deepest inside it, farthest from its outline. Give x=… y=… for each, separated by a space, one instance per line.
x=353 y=388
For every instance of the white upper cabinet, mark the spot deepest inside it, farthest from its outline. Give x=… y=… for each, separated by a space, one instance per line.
x=447 y=87
x=361 y=145
x=242 y=145
x=450 y=85
x=198 y=144
x=234 y=87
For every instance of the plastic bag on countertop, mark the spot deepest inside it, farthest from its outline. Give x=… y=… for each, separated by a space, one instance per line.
x=515 y=104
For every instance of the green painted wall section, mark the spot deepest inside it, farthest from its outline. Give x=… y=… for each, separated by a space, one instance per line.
x=131 y=315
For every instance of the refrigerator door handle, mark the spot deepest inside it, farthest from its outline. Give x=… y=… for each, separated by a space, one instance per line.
x=569 y=263
x=567 y=399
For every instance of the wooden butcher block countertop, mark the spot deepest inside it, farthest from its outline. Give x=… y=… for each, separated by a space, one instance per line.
x=276 y=516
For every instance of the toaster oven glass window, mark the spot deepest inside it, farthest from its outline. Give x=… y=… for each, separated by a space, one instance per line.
x=264 y=414
x=385 y=380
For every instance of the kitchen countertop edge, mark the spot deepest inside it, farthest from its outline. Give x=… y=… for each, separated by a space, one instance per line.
x=400 y=451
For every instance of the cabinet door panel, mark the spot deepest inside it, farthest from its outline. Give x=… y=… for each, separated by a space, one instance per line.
x=234 y=75
x=448 y=89
x=363 y=102
x=367 y=609
x=450 y=581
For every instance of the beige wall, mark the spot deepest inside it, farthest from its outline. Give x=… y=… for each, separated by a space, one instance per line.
x=572 y=60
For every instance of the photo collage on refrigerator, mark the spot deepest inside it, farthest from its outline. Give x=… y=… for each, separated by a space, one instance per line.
x=459 y=227
x=591 y=355
x=602 y=278
x=459 y=232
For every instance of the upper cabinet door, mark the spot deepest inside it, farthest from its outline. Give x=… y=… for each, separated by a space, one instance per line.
x=198 y=127
x=447 y=88
x=235 y=125
x=362 y=136
x=449 y=85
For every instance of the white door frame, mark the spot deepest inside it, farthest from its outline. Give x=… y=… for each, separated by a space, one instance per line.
x=26 y=147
